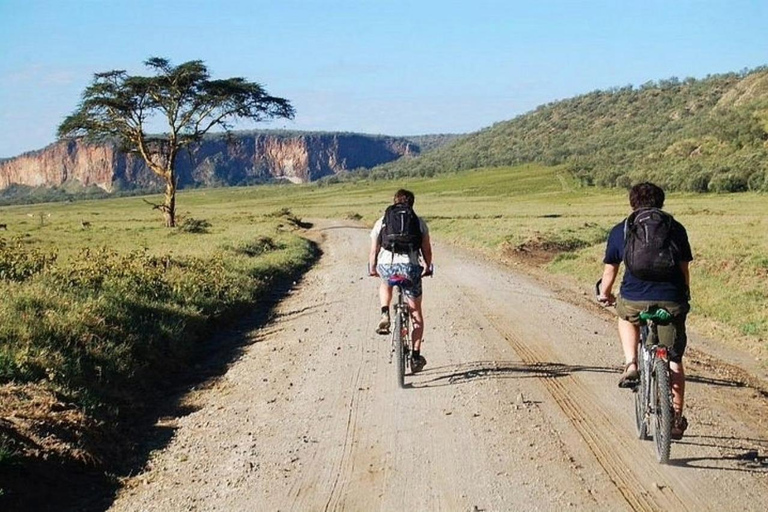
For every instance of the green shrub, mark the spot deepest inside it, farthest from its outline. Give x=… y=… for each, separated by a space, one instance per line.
x=190 y=225
x=261 y=245
x=19 y=262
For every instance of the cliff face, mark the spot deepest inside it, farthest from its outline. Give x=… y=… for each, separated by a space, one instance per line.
x=244 y=159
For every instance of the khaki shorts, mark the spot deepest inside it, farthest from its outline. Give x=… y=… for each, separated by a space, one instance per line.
x=671 y=335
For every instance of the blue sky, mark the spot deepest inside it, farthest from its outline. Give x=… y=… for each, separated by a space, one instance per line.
x=384 y=66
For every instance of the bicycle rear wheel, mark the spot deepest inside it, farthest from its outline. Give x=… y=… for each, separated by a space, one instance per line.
x=399 y=349
x=641 y=396
x=662 y=401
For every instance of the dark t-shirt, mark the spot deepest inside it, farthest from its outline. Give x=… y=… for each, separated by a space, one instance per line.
x=633 y=288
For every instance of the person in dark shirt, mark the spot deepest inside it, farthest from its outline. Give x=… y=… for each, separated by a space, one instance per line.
x=635 y=295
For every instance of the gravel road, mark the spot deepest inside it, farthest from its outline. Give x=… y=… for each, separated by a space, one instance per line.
x=517 y=409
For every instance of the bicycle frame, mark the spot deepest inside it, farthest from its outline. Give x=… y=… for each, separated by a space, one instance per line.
x=401 y=334
x=653 y=395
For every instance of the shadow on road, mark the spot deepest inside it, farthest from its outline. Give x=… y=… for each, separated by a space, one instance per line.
x=744 y=454
x=479 y=370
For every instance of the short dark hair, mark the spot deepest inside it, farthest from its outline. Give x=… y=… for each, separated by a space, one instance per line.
x=403 y=196
x=646 y=195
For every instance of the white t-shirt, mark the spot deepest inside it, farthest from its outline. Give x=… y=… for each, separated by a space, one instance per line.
x=386 y=257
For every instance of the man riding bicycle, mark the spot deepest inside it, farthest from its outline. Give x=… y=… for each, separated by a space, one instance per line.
x=656 y=248
x=399 y=245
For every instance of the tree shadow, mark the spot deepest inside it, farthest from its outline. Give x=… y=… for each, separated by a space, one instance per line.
x=463 y=373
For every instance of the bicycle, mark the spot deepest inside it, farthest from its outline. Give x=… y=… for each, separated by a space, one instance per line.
x=653 y=392
x=402 y=344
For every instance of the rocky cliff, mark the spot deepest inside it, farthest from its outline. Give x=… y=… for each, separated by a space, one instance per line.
x=245 y=158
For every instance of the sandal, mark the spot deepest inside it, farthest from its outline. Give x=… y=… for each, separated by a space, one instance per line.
x=630 y=378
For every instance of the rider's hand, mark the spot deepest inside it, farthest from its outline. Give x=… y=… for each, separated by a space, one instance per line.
x=427 y=270
x=607 y=300
x=372 y=272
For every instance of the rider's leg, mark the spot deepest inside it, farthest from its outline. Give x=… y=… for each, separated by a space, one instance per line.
x=417 y=320
x=385 y=294
x=629 y=334
x=678 y=386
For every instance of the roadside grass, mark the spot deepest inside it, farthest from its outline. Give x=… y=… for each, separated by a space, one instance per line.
x=99 y=318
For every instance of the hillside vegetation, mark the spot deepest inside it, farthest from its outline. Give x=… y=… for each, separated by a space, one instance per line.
x=708 y=135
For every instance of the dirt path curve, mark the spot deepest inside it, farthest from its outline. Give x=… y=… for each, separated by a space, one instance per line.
x=517 y=409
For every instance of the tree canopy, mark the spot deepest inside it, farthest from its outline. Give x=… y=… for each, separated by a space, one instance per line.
x=119 y=107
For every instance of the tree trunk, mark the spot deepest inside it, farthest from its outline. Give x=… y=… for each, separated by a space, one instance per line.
x=169 y=206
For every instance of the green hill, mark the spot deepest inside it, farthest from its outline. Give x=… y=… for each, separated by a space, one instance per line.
x=690 y=135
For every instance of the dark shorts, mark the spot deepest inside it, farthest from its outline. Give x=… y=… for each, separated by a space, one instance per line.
x=413 y=272
x=671 y=335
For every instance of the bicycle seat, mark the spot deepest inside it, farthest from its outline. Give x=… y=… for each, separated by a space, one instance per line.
x=400 y=280
x=656 y=314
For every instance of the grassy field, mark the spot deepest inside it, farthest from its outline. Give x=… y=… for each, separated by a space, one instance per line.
x=99 y=301
x=540 y=215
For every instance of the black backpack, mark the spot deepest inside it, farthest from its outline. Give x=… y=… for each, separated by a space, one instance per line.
x=400 y=229
x=650 y=250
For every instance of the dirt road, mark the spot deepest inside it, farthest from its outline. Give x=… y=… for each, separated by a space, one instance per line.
x=517 y=409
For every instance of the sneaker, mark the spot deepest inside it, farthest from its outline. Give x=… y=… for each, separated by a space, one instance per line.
x=630 y=378
x=679 y=427
x=383 y=327
x=418 y=363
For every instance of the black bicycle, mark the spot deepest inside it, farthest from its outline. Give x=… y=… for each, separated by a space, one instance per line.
x=653 y=392
x=402 y=344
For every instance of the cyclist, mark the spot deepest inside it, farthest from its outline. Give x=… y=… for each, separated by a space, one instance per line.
x=636 y=294
x=405 y=257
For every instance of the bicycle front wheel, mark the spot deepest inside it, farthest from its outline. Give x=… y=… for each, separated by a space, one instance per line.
x=399 y=349
x=662 y=433
x=641 y=396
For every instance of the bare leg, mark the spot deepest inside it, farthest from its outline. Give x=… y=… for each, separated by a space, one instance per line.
x=385 y=294
x=418 y=322
x=629 y=334
x=678 y=386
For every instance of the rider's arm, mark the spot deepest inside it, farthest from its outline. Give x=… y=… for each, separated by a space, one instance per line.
x=609 y=277
x=373 y=256
x=426 y=252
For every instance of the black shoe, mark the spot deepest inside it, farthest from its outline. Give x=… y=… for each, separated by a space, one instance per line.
x=418 y=363
x=679 y=427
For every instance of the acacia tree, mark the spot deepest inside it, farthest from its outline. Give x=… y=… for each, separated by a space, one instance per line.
x=118 y=106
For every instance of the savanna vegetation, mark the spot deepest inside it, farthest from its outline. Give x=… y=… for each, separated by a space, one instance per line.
x=708 y=135
x=101 y=305
x=102 y=308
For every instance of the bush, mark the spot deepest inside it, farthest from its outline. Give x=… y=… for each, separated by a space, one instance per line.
x=261 y=245
x=19 y=262
x=729 y=182
x=190 y=225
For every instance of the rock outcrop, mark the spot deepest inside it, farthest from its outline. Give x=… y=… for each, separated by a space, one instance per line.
x=246 y=158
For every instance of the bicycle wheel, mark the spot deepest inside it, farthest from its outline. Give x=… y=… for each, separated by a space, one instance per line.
x=663 y=410
x=399 y=349
x=641 y=396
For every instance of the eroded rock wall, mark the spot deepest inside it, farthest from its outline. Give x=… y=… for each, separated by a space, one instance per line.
x=242 y=159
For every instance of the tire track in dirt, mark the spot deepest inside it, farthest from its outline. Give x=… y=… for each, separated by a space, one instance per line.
x=346 y=461
x=593 y=425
